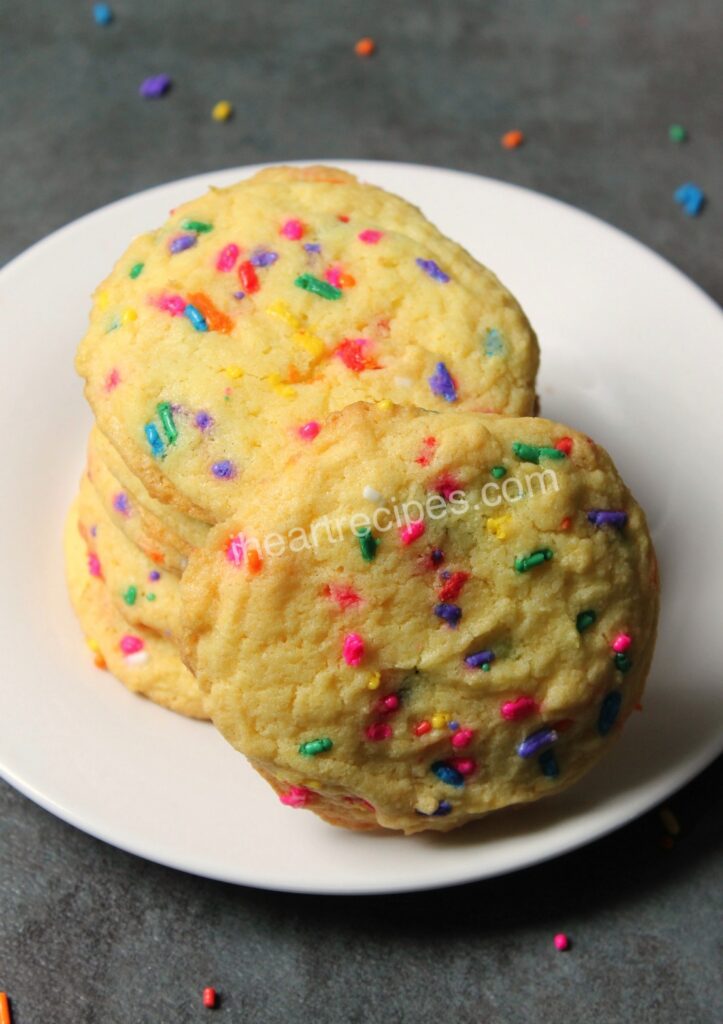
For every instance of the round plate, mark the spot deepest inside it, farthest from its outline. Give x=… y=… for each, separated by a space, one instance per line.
x=630 y=353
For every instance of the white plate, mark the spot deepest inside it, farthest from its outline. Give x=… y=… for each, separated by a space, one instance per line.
x=630 y=354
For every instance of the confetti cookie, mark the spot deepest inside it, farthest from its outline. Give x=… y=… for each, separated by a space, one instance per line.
x=143 y=593
x=162 y=533
x=143 y=661
x=256 y=311
x=425 y=617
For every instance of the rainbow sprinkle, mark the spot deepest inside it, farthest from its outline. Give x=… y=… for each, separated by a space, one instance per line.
x=449 y=613
x=447 y=774
x=433 y=270
x=533 y=452
x=531 y=560
x=196 y=318
x=585 y=619
x=165 y=414
x=158 y=449
x=536 y=742
x=312 y=284
x=442 y=383
x=368 y=543
x=607 y=517
x=181 y=242
x=313 y=747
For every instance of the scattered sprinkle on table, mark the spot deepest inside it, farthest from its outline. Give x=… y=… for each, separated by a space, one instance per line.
x=512 y=140
x=222 y=111
x=365 y=47
x=155 y=86
x=5 y=1014
x=562 y=942
x=102 y=14
x=210 y=998
x=691 y=198
x=669 y=821
x=677 y=133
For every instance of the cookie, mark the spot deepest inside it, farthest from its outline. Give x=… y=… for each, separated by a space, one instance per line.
x=230 y=334
x=425 y=617
x=143 y=593
x=145 y=662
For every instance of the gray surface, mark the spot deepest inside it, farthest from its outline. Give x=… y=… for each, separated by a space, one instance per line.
x=91 y=934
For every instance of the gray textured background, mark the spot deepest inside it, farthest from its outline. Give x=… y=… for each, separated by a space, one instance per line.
x=89 y=934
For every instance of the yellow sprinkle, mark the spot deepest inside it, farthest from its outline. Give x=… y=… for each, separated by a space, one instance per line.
x=384 y=404
x=374 y=681
x=439 y=721
x=222 y=111
x=313 y=345
x=285 y=390
x=310 y=784
x=128 y=316
x=281 y=310
x=234 y=372
x=93 y=644
x=102 y=299
x=497 y=526
x=669 y=821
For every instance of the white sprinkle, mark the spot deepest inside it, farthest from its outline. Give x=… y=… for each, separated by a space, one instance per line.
x=403 y=382
x=137 y=658
x=371 y=494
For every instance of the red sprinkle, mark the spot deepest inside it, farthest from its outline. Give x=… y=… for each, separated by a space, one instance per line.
x=564 y=445
x=378 y=731
x=561 y=942
x=422 y=729
x=566 y=523
x=427 y=452
x=452 y=587
x=464 y=765
x=352 y=354
x=247 y=277
x=209 y=998
x=387 y=705
x=410 y=533
x=344 y=596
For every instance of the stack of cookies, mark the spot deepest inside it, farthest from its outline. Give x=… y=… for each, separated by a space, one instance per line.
x=317 y=511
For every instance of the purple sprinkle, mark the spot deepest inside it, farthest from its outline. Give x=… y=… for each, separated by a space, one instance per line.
x=442 y=384
x=536 y=742
x=607 y=517
x=93 y=531
x=154 y=575
x=451 y=613
x=154 y=87
x=203 y=420
x=264 y=258
x=312 y=246
x=433 y=269
x=181 y=242
x=121 y=504
x=479 y=658
x=239 y=295
x=224 y=470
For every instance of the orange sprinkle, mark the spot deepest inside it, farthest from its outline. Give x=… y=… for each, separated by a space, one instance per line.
x=292 y=374
x=566 y=523
x=216 y=320
x=365 y=47
x=156 y=556
x=5 y=1015
x=99 y=662
x=346 y=281
x=511 y=140
x=253 y=561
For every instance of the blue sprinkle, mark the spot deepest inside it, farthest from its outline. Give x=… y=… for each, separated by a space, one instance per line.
x=239 y=295
x=494 y=342
x=121 y=504
x=264 y=258
x=607 y=517
x=691 y=198
x=548 y=764
x=536 y=742
x=154 y=87
x=447 y=774
x=433 y=269
x=312 y=246
x=479 y=659
x=102 y=14
x=196 y=317
x=224 y=470
x=450 y=613
x=154 y=575
x=437 y=556
x=203 y=420
x=454 y=726
x=609 y=711
x=154 y=440
x=442 y=384
x=182 y=242
x=443 y=807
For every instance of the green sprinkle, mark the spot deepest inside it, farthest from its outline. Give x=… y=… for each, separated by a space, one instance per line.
x=623 y=663
x=130 y=595
x=136 y=270
x=165 y=415
x=552 y=453
x=498 y=472
x=368 y=543
x=584 y=620
x=530 y=561
x=150 y=597
x=322 y=288
x=199 y=226
x=533 y=453
x=486 y=667
x=313 y=747
x=677 y=133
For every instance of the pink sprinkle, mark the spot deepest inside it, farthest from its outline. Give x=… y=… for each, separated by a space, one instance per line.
x=447 y=485
x=297 y=796
x=293 y=229
x=173 y=304
x=353 y=649
x=464 y=765
x=333 y=275
x=309 y=430
x=226 y=259
x=345 y=596
x=236 y=549
x=378 y=731
x=370 y=237
x=112 y=380
x=462 y=738
x=386 y=705
x=621 y=642
x=561 y=942
x=94 y=565
x=412 y=532
x=130 y=644
x=516 y=710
